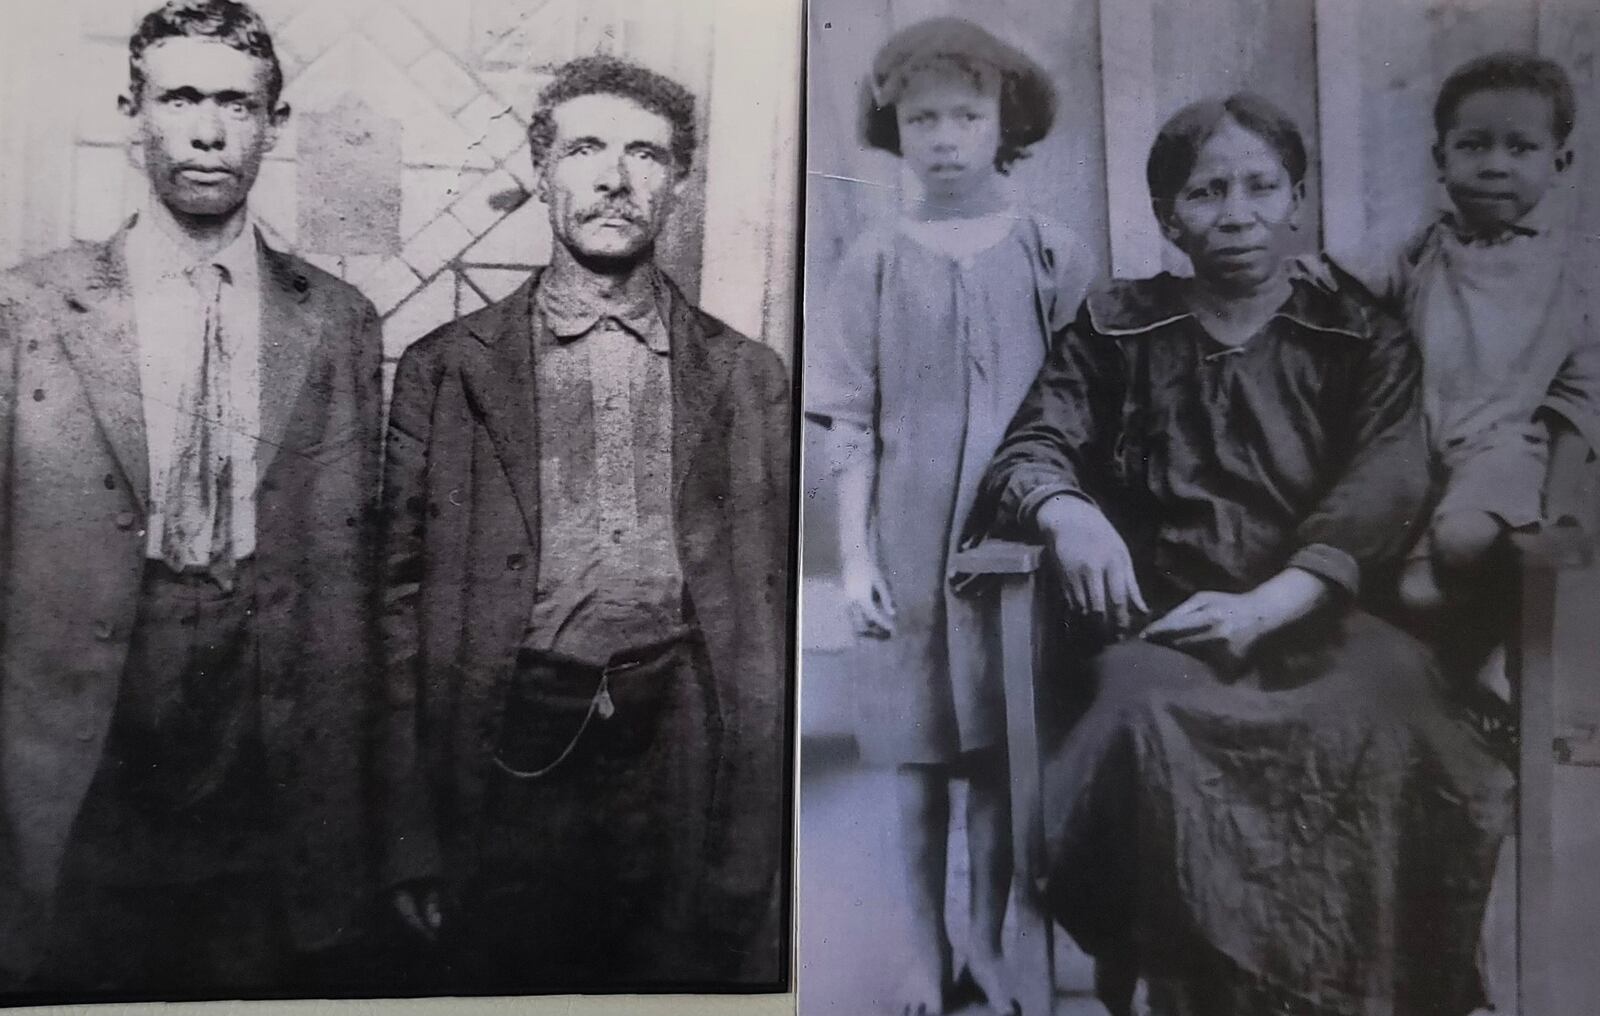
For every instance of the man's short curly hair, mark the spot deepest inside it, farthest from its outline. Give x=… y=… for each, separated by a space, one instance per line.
x=229 y=22
x=608 y=75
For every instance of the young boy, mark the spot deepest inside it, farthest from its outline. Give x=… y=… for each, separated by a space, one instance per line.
x=1511 y=374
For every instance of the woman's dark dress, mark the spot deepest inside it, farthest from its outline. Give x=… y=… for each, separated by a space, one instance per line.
x=1313 y=836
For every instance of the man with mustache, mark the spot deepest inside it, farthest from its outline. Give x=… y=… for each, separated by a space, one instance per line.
x=189 y=450
x=587 y=500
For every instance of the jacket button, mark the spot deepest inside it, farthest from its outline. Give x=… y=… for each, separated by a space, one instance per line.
x=103 y=631
x=516 y=562
x=85 y=731
x=110 y=482
x=125 y=520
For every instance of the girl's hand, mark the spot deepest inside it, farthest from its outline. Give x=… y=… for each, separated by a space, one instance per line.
x=867 y=598
x=1096 y=570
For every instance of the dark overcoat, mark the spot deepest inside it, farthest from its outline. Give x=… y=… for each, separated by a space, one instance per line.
x=74 y=488
x=461 y=497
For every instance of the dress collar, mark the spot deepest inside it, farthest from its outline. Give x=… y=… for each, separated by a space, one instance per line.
x=1144 y=305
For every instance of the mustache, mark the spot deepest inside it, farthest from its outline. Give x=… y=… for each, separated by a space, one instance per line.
x=611 y=210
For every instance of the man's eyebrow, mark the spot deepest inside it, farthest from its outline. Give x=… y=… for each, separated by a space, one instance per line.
x=194 y=94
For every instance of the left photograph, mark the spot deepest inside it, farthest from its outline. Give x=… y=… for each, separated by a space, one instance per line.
x=397 y=406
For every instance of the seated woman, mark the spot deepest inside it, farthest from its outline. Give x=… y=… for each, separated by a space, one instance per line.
x=1265 y=806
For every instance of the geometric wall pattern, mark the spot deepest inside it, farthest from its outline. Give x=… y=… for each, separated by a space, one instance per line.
x=414 y=182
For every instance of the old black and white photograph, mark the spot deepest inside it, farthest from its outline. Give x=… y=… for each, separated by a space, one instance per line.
x=1201 y=410
x=397 y=497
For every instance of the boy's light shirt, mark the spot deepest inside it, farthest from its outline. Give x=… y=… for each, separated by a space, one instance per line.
x=1502 y=334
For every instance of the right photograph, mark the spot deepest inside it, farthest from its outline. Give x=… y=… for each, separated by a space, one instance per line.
x=1202 y=403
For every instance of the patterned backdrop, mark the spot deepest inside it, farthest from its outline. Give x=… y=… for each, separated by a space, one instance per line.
x=405 y=167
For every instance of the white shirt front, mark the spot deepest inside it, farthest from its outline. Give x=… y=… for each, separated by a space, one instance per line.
x=170 y=314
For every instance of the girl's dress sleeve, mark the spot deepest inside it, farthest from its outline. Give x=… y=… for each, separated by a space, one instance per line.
x=841 y=346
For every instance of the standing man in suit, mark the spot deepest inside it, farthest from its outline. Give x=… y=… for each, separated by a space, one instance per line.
x=189 y=454
x=587 y=495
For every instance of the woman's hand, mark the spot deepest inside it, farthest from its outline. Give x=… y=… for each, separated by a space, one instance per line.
x=1096 y=571
x=1225 y=627
x=867 y=598
x=1221 y=628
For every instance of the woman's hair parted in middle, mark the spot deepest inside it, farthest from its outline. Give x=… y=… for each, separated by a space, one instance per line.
x=1027 y=98
x=1177 y=146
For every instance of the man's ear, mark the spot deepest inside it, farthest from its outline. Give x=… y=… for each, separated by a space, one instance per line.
x=1565 y=158
x=127 y=106
x=277 y=120
x=1438 y=155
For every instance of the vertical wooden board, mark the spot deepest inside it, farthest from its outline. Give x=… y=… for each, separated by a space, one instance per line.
x=847 y=185
x=1569 y=32
x=1463 y=29
x=1064 y=178
x=1225 y=46
x=1397 y=128
x=1339 y=127
x=1131 y=99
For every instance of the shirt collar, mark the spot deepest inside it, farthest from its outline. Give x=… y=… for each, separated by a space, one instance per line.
x=1143 y=305
x=154 y=256
x=1539 y=221
x=571 y=311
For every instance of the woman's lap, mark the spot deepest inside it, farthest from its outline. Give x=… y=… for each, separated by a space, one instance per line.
x=1297 y=833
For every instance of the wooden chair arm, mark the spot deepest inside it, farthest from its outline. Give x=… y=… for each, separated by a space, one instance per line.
x=1014 y=569
x=998 y=557
x=1555 y=547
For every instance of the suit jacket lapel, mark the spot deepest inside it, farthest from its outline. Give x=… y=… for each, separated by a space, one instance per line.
x=102 y=341
x=497 y=374
x=697 y=387
x=289 y=333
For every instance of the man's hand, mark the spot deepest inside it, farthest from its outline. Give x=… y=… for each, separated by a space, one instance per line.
x=420 y=907
x=866 y=596
x=1096 y=571
x=1224 y=628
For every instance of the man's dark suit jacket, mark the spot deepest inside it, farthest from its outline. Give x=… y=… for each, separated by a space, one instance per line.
x=74 y=487
x=461 y=496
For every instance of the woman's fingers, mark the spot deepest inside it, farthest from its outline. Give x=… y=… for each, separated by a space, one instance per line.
x=1094 y=591
x=1187 y=619
x=1118 y=594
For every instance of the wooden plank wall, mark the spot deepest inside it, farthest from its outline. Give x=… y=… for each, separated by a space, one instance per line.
x=1359 y=76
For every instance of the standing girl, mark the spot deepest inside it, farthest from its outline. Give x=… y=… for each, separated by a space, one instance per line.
x=933 y=330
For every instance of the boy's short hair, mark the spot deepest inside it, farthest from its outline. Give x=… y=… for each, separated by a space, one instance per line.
x=229 y=22
x=1505 y=71
x=609 y=75
x=1177 y=146
x=1027 y=98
